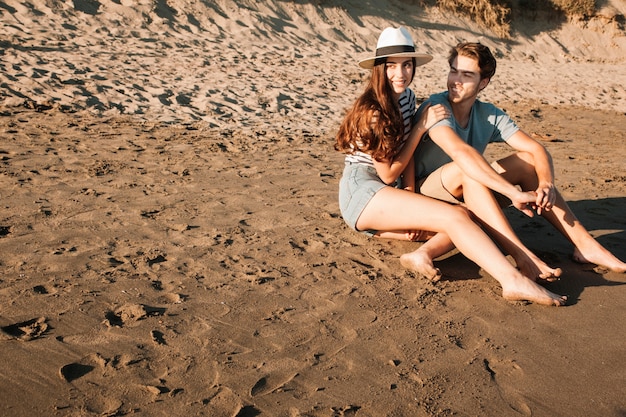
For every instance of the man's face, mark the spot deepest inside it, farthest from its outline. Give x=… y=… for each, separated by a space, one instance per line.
x=464 y=81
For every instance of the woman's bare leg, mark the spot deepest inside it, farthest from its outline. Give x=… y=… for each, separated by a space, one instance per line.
x=392 y=209
x=421 y=260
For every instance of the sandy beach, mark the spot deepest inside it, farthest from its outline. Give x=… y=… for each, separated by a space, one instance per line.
x=171 y=242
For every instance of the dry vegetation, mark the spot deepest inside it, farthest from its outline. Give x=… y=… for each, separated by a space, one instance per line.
x=497 y=14
x=576 y=8
x=494 y=14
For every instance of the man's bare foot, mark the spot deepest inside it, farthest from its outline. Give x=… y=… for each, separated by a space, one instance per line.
x=535 y=268
x=601 y=257
x=524 y=289
x=422 y=264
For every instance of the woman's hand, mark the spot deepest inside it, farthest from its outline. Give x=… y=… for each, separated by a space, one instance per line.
x=419 y=235
x=432 y=115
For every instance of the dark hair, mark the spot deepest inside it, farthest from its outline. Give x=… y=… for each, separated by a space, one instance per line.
x=373 y=124
x=478 y=51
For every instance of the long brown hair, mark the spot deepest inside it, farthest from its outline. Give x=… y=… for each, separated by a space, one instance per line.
x=374 y=124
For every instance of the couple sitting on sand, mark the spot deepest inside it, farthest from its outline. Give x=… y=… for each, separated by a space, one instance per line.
x=419 y=174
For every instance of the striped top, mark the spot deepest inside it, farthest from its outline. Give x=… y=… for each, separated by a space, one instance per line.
x=407 y=104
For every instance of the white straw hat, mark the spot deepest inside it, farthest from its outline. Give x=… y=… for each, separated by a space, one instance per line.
x=395 y=42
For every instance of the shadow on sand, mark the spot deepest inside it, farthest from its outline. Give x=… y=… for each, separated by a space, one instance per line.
x=603 y=218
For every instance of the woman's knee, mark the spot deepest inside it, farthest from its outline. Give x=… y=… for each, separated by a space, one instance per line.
x=459 y=214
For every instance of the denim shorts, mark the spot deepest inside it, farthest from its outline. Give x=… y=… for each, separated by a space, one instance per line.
x=358 y=185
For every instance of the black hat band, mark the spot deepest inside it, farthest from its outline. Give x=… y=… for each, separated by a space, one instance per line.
x=396 y=49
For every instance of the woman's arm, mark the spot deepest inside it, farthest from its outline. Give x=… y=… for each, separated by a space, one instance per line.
x=408 y=176
x=389 y=171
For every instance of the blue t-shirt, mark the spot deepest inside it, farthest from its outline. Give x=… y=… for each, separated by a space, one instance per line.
x=487 y=124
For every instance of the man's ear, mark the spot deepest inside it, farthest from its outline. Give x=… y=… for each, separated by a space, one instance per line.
x=483 y=83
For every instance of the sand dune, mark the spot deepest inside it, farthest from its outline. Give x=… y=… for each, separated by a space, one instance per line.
x=233 y=64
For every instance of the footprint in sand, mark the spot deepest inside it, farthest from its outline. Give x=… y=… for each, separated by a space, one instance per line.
x=276 y=379
x=226 y=402
x=73 y=371
x=44 y=290
x=129 y=314
x=507 y=374
x=27 y=330
x=158 y=337
x=125 y=315
x=169 y=297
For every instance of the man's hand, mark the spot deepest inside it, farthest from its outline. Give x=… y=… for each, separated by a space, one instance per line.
x=546 y=196
x=525 y=202
x=412 y=235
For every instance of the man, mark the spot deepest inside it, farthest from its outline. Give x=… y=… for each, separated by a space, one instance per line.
x=450 y=166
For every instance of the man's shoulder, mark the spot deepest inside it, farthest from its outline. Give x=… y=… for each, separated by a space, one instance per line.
x=438 y=98
x=487 y=107
x=487 y=117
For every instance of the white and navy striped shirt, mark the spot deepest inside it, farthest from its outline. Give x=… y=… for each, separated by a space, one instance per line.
x=407 y=108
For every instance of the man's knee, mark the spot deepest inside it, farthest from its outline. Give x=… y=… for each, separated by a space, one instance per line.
x=453 y=178
x=517 y=161
x=526 y=158
x=516 y=168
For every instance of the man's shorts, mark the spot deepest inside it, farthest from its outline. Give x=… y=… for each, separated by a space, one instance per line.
x=432 y=186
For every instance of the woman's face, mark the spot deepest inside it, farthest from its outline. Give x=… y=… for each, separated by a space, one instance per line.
x=399 y=73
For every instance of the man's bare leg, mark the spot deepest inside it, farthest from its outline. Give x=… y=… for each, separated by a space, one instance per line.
x=518 y=169
x=586 y=248
x=482 y=203
x=393 y=209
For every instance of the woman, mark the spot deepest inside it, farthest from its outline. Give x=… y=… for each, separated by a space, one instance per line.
x=374 y=195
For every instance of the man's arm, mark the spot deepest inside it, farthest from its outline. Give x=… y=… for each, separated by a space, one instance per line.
x=474 y=165
x=546 y=191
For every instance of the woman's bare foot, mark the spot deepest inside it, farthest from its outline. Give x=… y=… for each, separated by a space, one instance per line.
x=600 y=256
x=523 y=289
x=419 y=262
